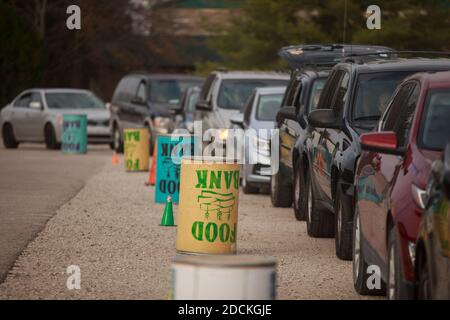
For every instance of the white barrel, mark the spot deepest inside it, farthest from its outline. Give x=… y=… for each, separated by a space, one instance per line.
x=223 y=278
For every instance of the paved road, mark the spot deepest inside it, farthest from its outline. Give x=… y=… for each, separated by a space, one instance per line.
x=34 y=182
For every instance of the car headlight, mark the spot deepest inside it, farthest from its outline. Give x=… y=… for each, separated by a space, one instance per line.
x=161 y=124
x=420 y=196
x=223 y=134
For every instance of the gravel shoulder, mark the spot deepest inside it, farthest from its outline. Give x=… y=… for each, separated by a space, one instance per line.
x=111 y=231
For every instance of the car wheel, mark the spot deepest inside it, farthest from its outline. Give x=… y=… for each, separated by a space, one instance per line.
x=117 y=140
x=359 y=266
x=343 y=229
x=394 y=272
x=319 y=224
x=300 y=194
x=50 y=138
x=280 y=193
x=424 y=288
x=9 y=139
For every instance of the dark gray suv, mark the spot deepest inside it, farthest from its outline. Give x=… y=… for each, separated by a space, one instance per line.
x=147 y=100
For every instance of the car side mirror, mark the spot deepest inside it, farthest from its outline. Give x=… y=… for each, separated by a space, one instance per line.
x=286 y=113
x=324 y=118
x=37 y=105
x=381 y=142
x=238 y=119
x=203 y=105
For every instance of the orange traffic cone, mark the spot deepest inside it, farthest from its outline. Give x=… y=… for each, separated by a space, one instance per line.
x=115 y=158
x=152 y=175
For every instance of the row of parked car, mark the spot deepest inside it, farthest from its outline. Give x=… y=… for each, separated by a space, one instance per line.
x=359 y=138
x=362 y=133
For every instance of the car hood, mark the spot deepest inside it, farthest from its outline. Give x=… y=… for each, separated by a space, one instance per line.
x=92 y=114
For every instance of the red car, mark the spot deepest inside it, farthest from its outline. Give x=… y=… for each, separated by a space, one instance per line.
x=391 y=181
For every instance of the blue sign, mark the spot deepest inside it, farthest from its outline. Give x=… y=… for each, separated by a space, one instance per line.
x=170 y=150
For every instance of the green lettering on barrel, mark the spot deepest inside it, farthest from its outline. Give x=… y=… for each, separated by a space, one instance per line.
x=224 y=232
x=233 y=234
x=197 y=230
x=211 y=237
x=215 y=180
x=228 y=178
x=236 y=179
x=202 y=179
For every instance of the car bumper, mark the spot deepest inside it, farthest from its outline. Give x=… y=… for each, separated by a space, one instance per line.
x=95 y=134
x=253 y=175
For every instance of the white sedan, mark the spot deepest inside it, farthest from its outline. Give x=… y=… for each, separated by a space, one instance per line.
x=36 y=115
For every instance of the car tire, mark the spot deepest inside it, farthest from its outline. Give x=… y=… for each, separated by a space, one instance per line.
x=359 y=264
x=117 y=140
x=319 y=224
x=342 y=229
x=280 y=193
x=9 y=139
x=395 y=289
x=300 y=194
x=423 y=278
x=51 y=141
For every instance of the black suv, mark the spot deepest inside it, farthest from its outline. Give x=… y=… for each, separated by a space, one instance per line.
x=147 y=100
x=354 y=98
x=312 y=64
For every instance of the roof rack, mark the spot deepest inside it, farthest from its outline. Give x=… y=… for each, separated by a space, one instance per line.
x=327 y=55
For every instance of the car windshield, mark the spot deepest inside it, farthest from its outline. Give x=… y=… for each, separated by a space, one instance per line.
x=69 y=100
x=268 y=107
x=192 y=101
x=373 y=94
x=316 y=90
x=234 y=93
x=170 y=91
x=435 y=129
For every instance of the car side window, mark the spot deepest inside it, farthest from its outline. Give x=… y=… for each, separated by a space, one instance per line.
x=341 y=93
x=36 y=97
x=131 y=88
x=207 y=87
x=329 y=92
x=141 y=92
x=403 y=124
x=291 y=91
x=397 y=105
x=24 y=100
x=248 y=108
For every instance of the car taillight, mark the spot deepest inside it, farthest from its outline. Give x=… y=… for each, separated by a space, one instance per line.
x=420 y=196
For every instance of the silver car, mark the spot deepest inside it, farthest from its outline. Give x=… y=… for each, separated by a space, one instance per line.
x=259 y=114
x=36 y=115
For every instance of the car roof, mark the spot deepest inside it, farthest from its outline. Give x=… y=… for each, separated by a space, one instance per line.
x=166 y=76
x=59 y=90
x=434 y=78
x=270 y=90
x=398 y=65
x=252 y=75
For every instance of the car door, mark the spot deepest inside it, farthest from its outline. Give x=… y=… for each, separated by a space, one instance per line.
x=290 y=129
x=19 y=115
x=130 y=115
x=36 y=119
x=392 y=167
x=325 y=140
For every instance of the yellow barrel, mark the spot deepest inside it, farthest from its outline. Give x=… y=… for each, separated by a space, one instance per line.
x=136 y=149
x=208 y=208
